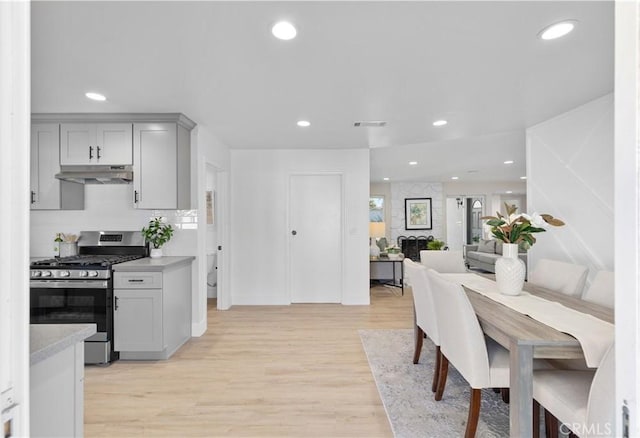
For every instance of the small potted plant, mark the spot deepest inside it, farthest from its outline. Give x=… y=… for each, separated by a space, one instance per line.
x=393 y=252
x=435 y=245
x=157 y=233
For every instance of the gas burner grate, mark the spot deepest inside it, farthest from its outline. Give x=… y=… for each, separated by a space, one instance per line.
x=81 y=261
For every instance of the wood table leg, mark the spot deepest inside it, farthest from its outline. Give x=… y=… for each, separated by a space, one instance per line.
x=521 y=392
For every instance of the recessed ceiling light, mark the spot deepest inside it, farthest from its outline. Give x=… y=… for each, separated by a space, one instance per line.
x=509 y=191
x=412 y=163
x=557 y=30
x=284 y=30
x=523 y=177
x=95 y=96
x=385 y=179
x=439 y=123
x=454 y=177
x=508 y=162
x=304 y=123
x=472 y=171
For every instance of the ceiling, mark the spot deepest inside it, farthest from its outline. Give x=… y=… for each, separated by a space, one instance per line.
x=477 y=64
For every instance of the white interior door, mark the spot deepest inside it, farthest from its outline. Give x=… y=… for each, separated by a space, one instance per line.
x=315 y=235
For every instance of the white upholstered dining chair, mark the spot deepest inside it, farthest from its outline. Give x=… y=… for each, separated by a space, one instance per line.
x=601 y=290
x=583 y=401
x=449 y=262
x=424 y=313
x=563 y=277
x=481 y=361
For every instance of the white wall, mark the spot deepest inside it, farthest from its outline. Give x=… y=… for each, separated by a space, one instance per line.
x=402 y=190
x=260 y=236
x=210 y=153
x=627 y=213
x=570 y=175
x=14 y=220
x=454 y=224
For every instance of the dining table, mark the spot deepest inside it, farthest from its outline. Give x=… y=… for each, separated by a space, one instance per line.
x=527 y=339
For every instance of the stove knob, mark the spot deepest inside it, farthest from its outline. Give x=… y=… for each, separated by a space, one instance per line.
x=35 y=274
x=83 y=273
x=93 y=273
x=46 y=273
x=64 y=273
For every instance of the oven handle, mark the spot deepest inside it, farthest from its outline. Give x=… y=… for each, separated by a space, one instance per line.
x=74 y=284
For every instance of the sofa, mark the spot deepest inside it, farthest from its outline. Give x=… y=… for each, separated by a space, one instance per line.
x=484 y=254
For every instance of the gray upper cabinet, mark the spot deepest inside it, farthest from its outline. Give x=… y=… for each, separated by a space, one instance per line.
x=47 y=192
x=156 y=146
x=96 y=143
x=161 y=166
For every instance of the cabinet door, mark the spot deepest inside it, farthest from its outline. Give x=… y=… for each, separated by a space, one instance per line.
x=78 y=143
x=137 y=320
x=45 y=159
x=114 y=143
x=155 y=164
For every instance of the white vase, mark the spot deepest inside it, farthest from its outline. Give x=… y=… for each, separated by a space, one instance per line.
x=374 y=251
x=510 y=270
x=156 y=253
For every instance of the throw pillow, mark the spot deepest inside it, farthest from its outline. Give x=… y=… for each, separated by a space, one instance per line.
x=488 y=246
x=499 y=247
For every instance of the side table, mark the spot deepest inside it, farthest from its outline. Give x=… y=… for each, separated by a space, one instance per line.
x=379 y=271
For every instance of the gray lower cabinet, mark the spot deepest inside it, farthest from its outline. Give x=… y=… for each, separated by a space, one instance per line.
x=57 y=394
x=152 y=312
x=138 y=320
x=56 y=379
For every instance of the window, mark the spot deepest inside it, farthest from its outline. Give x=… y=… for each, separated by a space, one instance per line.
x=376 y=209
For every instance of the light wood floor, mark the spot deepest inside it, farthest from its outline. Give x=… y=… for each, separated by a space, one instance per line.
x=259 y=371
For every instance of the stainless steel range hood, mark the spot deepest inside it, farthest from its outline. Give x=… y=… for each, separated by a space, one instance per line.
x=89 y=174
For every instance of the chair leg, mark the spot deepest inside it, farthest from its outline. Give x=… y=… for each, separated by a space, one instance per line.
x=436 y=370
x=536 y=419
x=550 y=425
x=442 y=376
x=504 y=392
x=419 y=337
x=474 y=413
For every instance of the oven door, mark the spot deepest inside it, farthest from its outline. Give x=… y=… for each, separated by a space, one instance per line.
x=73 y=302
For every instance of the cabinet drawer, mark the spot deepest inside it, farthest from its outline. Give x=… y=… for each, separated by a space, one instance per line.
x=137 y=280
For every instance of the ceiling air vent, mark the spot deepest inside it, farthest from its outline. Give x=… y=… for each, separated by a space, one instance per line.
x=370 y=124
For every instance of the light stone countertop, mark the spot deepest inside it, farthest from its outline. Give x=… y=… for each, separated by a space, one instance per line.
x=157 y=264
x=47 y=340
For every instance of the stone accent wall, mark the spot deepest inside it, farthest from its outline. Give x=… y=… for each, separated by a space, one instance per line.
x=401 y=191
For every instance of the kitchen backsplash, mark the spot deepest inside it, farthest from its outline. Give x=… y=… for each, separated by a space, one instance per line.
x=110 y=208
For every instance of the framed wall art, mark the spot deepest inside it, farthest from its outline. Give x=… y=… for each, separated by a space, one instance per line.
x=417 y=214
x=211 y=206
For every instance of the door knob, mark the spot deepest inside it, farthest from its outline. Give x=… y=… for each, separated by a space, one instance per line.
x=294 y=232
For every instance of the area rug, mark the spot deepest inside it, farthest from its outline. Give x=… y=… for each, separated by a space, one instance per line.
x=405 y=390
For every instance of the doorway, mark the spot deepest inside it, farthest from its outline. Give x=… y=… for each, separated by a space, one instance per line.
x=315 y=238
x=212 y=235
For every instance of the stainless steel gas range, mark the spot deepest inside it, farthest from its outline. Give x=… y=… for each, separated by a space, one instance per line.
x=79 y=289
